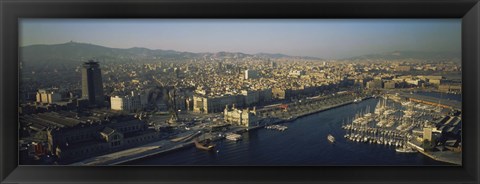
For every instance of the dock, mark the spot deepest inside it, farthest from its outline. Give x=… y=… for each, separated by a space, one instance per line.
x=445 y=156
x=445 y=103
x=147 y=150
x=442 y=156
x=308 y=107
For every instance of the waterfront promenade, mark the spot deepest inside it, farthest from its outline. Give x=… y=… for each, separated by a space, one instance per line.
x=154 y=148
x=432 y=100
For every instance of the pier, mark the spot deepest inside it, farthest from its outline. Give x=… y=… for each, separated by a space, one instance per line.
x=291 y=111
x=444 y=103
x=442 y=156
x=151 y=149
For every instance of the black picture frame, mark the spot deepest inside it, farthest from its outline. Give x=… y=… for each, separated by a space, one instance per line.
x=12 y=10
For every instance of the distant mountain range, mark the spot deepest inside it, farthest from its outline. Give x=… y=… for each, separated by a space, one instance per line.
x=409 y=55
x=72 y=53
x=76 y=52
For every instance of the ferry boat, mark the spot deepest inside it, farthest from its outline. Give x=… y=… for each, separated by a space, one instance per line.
x=331 y=138
x=204 y=145
x=233 y=137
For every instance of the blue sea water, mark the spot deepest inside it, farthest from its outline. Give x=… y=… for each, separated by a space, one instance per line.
x=304 y=143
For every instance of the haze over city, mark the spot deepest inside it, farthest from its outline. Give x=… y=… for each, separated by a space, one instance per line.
x=215 y=92
x=323 y=38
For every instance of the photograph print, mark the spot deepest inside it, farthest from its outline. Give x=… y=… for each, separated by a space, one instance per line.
x=240 y=92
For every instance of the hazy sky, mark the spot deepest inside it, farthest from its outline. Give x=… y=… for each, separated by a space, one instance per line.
x=325 y=38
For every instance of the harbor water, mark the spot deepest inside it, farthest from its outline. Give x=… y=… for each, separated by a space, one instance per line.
x=304 y=143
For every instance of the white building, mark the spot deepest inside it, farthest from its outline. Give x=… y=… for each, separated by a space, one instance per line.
x=48 y=96
x=427 y=134
x=297 y=73
x=251 y=74
x=245 y=117
x=416 y=82
x=211 y=104
x=128 y=103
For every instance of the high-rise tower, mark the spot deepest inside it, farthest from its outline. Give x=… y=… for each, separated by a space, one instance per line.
x=92 y=85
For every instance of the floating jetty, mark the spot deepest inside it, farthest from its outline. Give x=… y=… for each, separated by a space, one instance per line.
x=376 y=136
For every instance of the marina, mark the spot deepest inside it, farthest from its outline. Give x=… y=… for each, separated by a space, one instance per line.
x=184 y=141
x=375 y=146
x=395 y=124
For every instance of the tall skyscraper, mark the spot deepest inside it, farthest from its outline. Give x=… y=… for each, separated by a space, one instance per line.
x=92 y=85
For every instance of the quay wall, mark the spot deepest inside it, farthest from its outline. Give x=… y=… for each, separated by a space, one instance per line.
x=433 y=156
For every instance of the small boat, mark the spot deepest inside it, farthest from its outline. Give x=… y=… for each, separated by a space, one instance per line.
x=405 y=149
x=233 y=136
x=204 y=145
x=331 y=138
x=357 y=100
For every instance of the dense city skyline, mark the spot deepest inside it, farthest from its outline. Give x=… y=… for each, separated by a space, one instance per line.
x=330 y=39
x=88 y=95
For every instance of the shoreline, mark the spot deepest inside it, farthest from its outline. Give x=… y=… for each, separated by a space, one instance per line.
x=152 y=152
x=441 y=158
x=180 y=145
